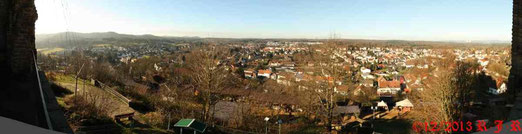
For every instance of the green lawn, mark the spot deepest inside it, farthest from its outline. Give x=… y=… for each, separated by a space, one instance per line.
x=47 y=51
x=71 y=79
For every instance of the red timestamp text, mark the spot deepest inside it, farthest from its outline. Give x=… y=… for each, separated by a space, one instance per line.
x=461 y=126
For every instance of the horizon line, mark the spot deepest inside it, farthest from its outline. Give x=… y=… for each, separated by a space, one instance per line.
x=296 y=38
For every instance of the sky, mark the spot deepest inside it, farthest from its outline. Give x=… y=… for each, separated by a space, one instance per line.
x=434 y=20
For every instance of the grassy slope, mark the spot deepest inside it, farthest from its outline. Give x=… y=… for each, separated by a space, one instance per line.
x=68 y=81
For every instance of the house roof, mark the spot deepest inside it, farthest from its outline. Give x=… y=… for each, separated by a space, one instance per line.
x=382 y=104
x=346 y=67
x=191 y=124
x=346 y=110
x=343 y=88
x=287 y=74
x=367 y=81
x=410 y=62
x=404 y=103
x=275 y=61
x=499 y=81
x=324 y=78
x=249 y=70
x=381 y=78
x=389 y=84
x=299 y=76
x=410 y=77
x=264 y=72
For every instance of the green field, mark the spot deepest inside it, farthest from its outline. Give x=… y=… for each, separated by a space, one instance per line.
x=47 y=51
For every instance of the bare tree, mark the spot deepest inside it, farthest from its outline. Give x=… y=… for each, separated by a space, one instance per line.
x=330 y=73
x=446 y=93
x=209 y=76
x=499 y=68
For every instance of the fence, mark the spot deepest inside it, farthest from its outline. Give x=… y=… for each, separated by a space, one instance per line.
x=113 y=92
x=44 y=102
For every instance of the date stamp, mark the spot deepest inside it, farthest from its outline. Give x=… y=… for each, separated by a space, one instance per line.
x=468 y=126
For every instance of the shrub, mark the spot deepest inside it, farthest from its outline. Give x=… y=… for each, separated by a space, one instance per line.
x=84 y=112
x=59 y=90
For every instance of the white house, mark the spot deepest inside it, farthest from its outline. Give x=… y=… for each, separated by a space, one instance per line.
x=500 y=90
x=483 y=62
x=264 y=73
x=365 y=70
x=386 y=87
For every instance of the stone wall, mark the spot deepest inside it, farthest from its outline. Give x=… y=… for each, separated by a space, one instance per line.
x=19 y=92
x=515 y=78
x=17 y=21
x=3 y=36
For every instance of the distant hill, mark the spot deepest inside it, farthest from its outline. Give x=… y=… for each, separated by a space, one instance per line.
x=66 y=39
x=71 y=39
x=76 y=39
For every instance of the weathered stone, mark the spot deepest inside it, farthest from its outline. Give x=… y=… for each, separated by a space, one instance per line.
x=3 y=36
x=515 y=78
x=17 y=47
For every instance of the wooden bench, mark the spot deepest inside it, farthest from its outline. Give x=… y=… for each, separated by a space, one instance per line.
x=127 y=115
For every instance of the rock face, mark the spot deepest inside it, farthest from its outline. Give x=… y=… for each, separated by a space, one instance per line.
x=17 y=22
x=515 y=78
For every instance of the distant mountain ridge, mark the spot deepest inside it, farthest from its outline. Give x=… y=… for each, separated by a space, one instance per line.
x=96 y=35
x=68 y=39
x=75 y=39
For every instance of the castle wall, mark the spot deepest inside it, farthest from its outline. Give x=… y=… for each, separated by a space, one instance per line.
x=17 y=40
x=515 y=78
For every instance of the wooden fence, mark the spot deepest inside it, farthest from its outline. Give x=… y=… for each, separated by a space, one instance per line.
x=112 y=91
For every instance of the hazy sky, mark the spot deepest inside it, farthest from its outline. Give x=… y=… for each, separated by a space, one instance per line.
x=366 y=19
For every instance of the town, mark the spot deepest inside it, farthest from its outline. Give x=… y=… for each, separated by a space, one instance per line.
x=260 y=67
x=275 y=85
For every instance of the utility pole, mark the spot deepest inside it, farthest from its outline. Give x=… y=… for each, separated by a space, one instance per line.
x=373 y=111
x=76 y=85
x=83 y=92
x=279 y=128
x=168 y=124
x=266 y=124
x=168 y=100
x=279 y=122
